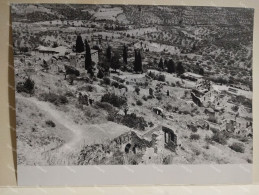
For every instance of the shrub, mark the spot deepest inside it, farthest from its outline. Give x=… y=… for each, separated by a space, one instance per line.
x=105 y=106
x=137 y=90
x=151 y=92
x=144 y=98
x=115 y=84
x=196 y=152
x=238 y=147
x=133 y=121
x=106 y=80
x=88 y=88
x=234 y=108
x=27 y=86
x=139 y=103
x=243 y=139
x=159 y=97
x=167 y=160
x=121 y=86
x=114 y=100
x=54 y=98
x=193 y=128
x=150 y=124
x=100 y=74
x=168 y=107
x=161 y=77
x=219 y=138
x=50 y=123
x=69 y=94
x=194 y=136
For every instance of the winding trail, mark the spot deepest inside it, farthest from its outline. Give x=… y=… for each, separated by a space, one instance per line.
x=59 y=117
x=86 y=134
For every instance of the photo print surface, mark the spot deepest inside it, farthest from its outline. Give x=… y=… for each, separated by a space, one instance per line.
x=132 y=84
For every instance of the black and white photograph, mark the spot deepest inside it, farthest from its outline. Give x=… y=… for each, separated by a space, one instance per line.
x=132 y=84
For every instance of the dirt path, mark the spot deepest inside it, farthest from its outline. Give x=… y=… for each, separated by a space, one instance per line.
x=61 y=119
x=86 y=134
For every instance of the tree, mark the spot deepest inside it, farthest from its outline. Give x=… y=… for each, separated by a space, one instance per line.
x=179 y=68
x=161 y=64
x=136 y=61
x=88 y=58
x=170 y=66
x=109 y=53
x=125 y=54
x=165 y=63
x=79 y=44
x=140 y=63
x=115 y=62
x=100 y=74
x=201 y=71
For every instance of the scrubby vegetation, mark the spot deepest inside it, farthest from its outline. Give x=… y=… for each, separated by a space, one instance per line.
x=26 y=87
x=117 y=101
x=54 y=98
x=238 y=147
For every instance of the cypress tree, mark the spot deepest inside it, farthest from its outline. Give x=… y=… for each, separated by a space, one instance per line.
x=201 y=71
x=115 y=62
x=161 y=64
x=136 y=61
x=140 y=62
x=109 y=53
x=88 y=58
x=179 y=68
x=125 y=54
x=79 y=44
x=170 y=66
x=165 y=63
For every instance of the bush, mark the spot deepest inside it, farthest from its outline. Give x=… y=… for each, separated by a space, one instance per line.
x=139 y=103
x=238 y=147
x=150 y=124
x=88 y=88
x=26 y=87
x=69 y=94
x=115 y=84
x=133 y=121
x=168 y=107
x=121 y=86
x=234 y=108
x=193 y=128
x=161 y=77
x=106 y=80
x=117 y=101
x=219 y=138
x=159 y=97
x=54 y=98
x=194 y=136
x=151 y=92
x=137 y=90
x=50 y=123
x=144 y=98
x=105 y=106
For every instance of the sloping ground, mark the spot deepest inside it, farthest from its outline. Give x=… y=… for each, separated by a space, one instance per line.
x=68 y=136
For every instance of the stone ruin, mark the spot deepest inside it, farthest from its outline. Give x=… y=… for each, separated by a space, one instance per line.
x=170 y=138
x=130 y=143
